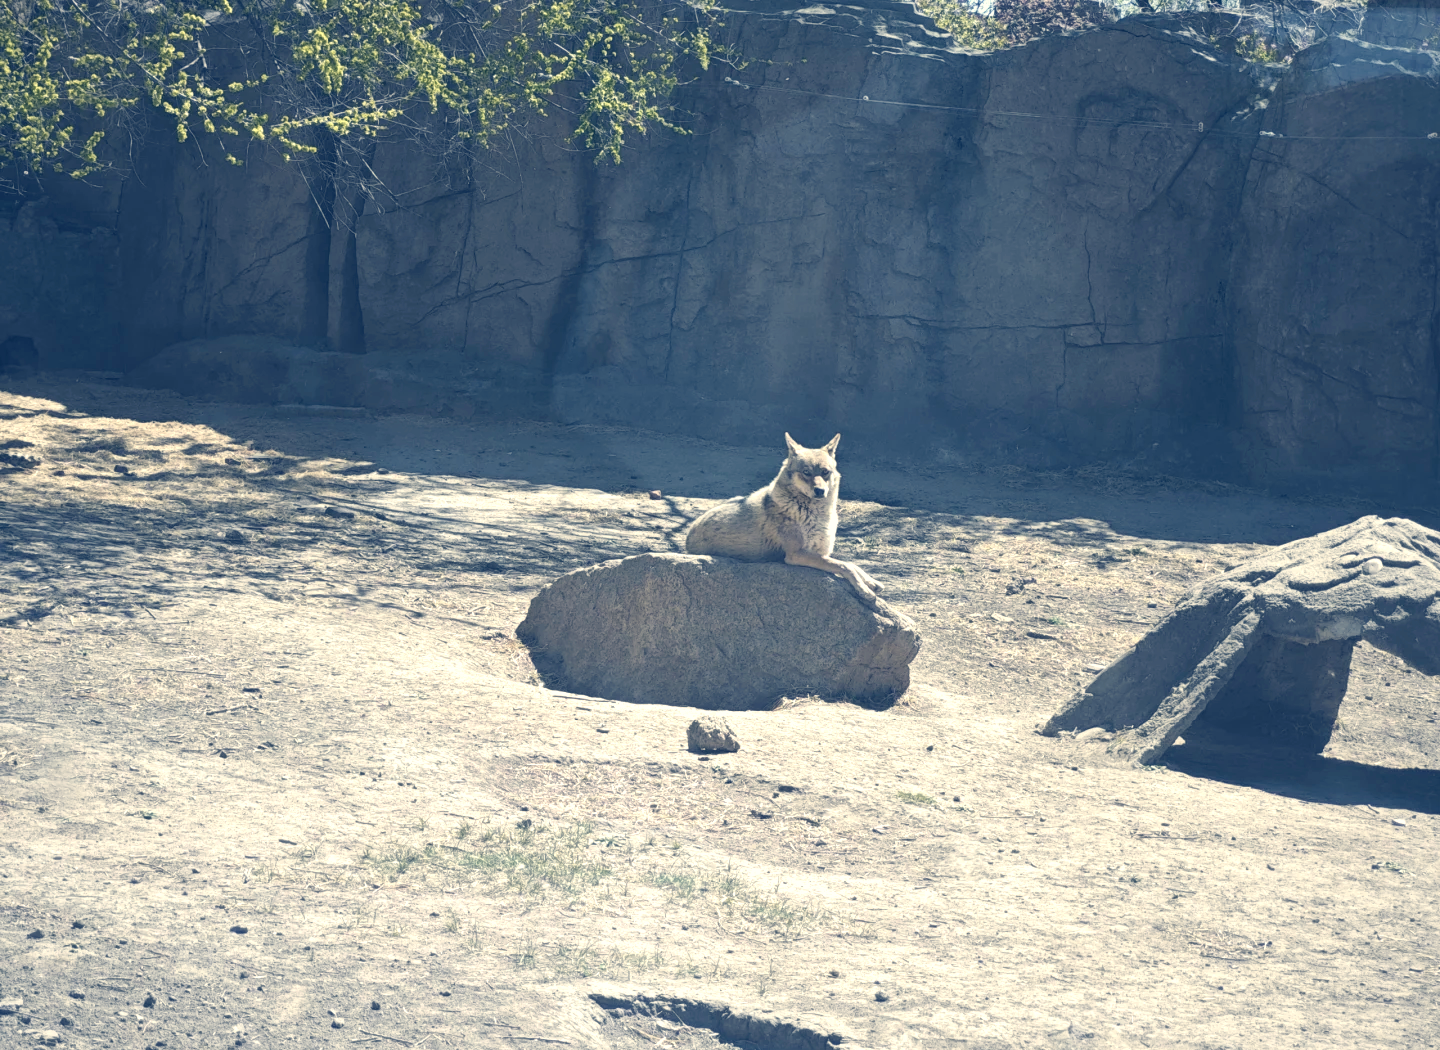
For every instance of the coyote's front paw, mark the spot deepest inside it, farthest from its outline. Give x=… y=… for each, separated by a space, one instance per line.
x=858 y=581
x=870 y=581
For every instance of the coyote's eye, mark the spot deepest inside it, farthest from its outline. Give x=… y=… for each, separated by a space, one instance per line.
x=805 y=476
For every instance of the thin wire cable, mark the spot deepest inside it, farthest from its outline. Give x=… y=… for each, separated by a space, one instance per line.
x=1192 y=126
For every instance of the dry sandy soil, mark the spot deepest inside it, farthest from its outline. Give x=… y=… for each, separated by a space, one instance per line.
x=275 y=770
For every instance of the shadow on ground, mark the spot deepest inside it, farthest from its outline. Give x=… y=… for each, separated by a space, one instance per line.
x=618 y=459
x=1311 y=778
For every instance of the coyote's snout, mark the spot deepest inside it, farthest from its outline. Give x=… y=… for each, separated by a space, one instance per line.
x=793 y=519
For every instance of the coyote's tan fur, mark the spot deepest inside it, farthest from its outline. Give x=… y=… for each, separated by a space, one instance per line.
x=793 y=518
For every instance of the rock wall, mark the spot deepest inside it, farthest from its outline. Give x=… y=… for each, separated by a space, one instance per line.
x=1126 y=245
x=1334 y=301
x=59 y=277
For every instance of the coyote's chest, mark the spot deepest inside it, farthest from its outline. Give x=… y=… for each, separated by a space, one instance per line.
x=809 y=524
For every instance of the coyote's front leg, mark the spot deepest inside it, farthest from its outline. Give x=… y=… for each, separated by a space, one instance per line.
x=865 y=585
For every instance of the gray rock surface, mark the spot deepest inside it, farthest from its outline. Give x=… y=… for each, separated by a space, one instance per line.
x=714 y=633
x=1036 y=255
x=1265 y=647
x=59 y=281
x=1337 y=377
x=711 y=734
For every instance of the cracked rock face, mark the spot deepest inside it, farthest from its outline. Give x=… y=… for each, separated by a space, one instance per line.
x=714 y=633
x=1265 y=647
x=933 y=268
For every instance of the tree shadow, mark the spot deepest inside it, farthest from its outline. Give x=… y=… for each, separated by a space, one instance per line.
x=108 y=510
x=1087 y=503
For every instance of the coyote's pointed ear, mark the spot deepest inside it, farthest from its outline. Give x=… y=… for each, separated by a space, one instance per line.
x=791 y=445
x=834 y=444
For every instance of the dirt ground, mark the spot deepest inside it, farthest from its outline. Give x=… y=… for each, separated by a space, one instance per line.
x=274 y=769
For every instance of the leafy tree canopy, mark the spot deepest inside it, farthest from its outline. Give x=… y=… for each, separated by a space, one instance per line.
x=295 y=73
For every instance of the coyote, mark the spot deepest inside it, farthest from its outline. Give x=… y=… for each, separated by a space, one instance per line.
x=793 y=518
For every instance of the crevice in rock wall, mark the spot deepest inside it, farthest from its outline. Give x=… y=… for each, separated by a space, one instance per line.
x=680 y=267
x=148 y=229
x=314 y=324
x=350 y=326
x=555 y=341
x=345 y=321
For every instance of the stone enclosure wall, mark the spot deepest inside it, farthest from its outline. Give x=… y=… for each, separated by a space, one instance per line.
x=1128 y=245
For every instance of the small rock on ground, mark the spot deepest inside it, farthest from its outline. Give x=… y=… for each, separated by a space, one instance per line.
x=711 y=734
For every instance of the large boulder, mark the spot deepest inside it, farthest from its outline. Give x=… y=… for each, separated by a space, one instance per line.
x=1264 y=649
x=715 y=633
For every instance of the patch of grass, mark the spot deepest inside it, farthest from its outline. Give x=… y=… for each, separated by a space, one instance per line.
x=405 y=857
x=528 y=867
x=682 y=885
x=766 y=979
x=536 y=861
x=579 y=961
x=733 y=897
x=530 y=860
x=585 y=960
x=915 y=798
